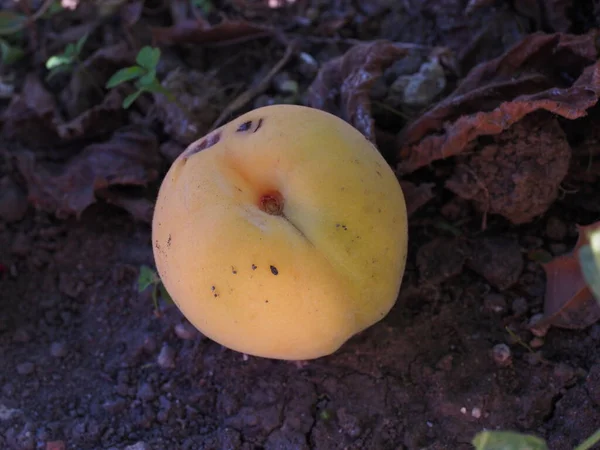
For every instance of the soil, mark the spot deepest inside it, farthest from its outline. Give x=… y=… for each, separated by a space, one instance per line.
x=87 y=363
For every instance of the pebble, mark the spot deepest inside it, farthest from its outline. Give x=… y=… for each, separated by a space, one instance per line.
x=538 y=331
x=556 y=229
x=185 y=330
x=58 y=349
x=536 y=342
x=519 y=306
x=166 y=357
x=13 y=202
x=476 y=412
x=138 y=446
x=495 y=302
x=25 y=368
x=502 y=355
x=146 y=393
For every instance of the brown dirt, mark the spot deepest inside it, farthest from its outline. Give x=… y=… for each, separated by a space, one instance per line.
x=86 y=364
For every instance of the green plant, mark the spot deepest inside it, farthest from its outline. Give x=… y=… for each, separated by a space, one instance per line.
x=509 y=440
x=589 y=259
x=144 y=74
x=149 y=278
x=10 y=53
x=65 y=61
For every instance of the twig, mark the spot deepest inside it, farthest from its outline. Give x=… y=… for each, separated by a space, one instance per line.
x=245 y=97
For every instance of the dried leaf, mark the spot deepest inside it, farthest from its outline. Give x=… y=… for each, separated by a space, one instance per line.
x=347 y=79
x=547 y=14
x=199 y=32
x=569 y=302
x=33 y=117
x=129 y=158
x=536 y=74
x=415 y=195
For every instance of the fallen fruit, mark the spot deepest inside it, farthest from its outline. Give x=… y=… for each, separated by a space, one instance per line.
x=282 y=233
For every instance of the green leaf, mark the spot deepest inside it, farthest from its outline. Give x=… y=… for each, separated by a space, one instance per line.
x=148 y=78
x=128 y=101
x=123 y=75
x=10 y=54
x=164 y=293
x=80 y=43
x=58 y=60
x=157 y=88
x=589 y=260
x=148 y=57
x=147 y=277
x=507 y=440
x=11 y=22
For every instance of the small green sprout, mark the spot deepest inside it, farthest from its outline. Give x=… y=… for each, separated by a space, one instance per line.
x=144 y=74
x=67 y=60
x=149 y=278
x=589 y=259
x=10 y=53
x=509 y=440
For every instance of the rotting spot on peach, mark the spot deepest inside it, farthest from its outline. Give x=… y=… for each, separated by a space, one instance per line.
x=274 y=270
x=246 y=126
x=272 y=203
x=205 y=143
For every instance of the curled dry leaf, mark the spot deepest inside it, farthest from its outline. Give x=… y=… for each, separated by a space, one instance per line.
x=569 y=302
x=200 y=32
x=347 y=80
x=536 y=74
x=129 y=158
x=33 y=118
x=416 y=195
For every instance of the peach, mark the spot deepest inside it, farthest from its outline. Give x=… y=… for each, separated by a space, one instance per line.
x=282 y=233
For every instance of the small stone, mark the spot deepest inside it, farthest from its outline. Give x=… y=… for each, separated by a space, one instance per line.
x=536 y=342
x=519 y=306
x=556 y=229
x=55 y=445
x=114 y=406
x=166 y=357
x=284 y=83
x=146 y=393
x=495 y=303
x=502 y=355
x=138 y=446
x=58 y=349
x=539 y=331
x=476 y=412
x=25 y=368
x=13 y=202
x=186 y=331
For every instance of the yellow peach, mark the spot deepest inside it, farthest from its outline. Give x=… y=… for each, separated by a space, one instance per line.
x=281 y=234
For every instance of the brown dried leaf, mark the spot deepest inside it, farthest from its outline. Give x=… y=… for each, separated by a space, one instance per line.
x=569 y=303
x=347 y=79
x=416 y=195
x=33 y=117
x=534 y=75
x=129 y=158
x=199 y=32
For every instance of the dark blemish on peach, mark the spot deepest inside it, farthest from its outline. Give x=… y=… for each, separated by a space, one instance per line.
x=157 y=245
x=266 y=301
x=244 y=127
x=253 y=267
x=341 y=225
x=205 y=143
x=169 y=241
x=274 y=270
x=233 y=271
x=379 y=173
x=260 y=122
